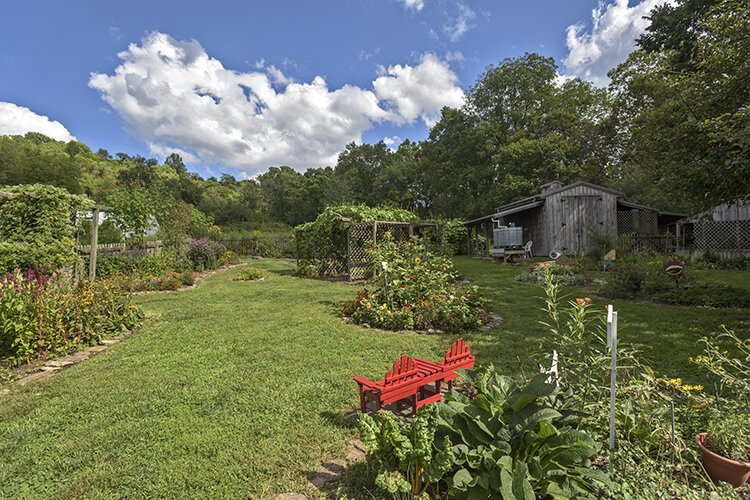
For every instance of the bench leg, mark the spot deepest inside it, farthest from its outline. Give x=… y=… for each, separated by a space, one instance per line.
x=414 y=404
x=450 y=386
x=362 y=401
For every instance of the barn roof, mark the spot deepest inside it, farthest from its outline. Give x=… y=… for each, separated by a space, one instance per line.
x=538 y=200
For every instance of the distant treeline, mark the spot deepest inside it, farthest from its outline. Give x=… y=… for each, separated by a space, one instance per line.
x=671 y=131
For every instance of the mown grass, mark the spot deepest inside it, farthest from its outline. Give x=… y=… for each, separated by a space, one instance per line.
x=666 y=335
x=238 y=389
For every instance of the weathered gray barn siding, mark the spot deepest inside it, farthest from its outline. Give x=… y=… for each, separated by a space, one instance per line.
x=571 y=214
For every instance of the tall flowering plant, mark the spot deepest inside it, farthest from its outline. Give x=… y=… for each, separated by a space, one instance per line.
x=418 y=290
x=45 y=314
x=204 y=253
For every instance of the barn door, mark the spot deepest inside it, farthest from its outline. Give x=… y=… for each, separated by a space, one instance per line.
x=582 y=214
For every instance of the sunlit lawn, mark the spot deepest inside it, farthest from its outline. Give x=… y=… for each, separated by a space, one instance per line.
x=238 y=389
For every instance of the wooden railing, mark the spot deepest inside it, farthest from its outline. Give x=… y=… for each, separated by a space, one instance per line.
x=123 y=249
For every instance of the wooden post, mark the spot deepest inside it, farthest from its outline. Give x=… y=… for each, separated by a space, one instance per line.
x=94 y=243
x=374 y=234
x=612 y=344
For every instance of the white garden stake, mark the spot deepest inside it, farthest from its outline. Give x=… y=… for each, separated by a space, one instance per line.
x=612 y=344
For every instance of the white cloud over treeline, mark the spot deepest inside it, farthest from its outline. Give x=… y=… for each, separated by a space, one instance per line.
x=173 y=95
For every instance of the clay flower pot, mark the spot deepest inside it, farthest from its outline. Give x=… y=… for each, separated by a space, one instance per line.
x=722 y=468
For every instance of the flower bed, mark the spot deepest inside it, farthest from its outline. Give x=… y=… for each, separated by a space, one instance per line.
x=421 y=292
x=49 y=314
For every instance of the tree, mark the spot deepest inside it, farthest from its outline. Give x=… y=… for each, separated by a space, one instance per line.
x=175 y=161
x=684 y=123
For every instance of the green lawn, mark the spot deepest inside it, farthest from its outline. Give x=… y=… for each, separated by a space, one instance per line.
x=237 y=389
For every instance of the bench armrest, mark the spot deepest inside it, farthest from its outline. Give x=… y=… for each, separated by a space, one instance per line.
x=365 y=382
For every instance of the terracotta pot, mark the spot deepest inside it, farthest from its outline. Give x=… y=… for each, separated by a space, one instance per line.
x=722 y=468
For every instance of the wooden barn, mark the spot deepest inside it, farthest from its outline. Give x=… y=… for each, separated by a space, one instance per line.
x=566 y=218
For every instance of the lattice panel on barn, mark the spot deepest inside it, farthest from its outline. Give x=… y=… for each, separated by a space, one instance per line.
x=636 y=221
x=722 y=235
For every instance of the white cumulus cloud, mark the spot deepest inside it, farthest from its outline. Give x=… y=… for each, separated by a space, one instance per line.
x=460 y=22
x=419 y=91
x=17 y=120
x=612 y=37
x=417 y=5
x=173 y=95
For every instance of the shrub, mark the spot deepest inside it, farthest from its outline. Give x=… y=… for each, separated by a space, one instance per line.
x=249 y=273
x=563 y=275
x=205 y=254
x=516 y=441
x=229 y=258
x=166 y=282
x=711 y=261
x=643 y=277
x=421 y=293
x=36 y=226
x=149 y=265
x=43 y=314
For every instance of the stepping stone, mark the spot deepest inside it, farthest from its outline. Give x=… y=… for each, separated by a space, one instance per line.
x=290 y=496
x=109 y=342
x=59 y=363
x=50 y=368
x=328 y=472
x=96 y=348
x=35 y=376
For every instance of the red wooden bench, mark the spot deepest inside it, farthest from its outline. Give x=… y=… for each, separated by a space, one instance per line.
x=410 y=377
x=407 y=380
x=456 y=358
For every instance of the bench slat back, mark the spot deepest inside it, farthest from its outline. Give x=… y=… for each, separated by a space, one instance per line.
x=404 y=372
x=458 y=354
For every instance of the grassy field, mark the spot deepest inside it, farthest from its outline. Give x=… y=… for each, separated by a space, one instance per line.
x=238 y=389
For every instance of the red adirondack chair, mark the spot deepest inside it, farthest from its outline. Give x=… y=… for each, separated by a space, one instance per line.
x=405 y=381
x=457 y=357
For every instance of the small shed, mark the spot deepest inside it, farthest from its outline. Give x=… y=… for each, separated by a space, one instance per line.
x=567 y=218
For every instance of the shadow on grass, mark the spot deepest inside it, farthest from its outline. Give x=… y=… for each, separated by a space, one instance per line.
x=346 y=420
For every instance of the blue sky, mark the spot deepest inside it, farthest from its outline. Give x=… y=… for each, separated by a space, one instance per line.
x=248 y=96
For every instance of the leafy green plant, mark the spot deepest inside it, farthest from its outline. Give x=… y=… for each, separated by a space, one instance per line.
x=729 y=433
x=518 y=442
x=405 y=457
x=36 y=226
x=249 y=273
x=422 y=292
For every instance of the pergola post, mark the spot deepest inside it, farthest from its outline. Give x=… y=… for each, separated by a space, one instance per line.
x=94 y=243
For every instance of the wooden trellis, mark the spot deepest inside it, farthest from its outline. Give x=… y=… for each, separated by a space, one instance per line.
x=347 y=255
x=722 y=235
x=637 y=221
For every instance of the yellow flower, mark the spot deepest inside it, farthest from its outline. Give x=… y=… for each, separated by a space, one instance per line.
x=674 y=382
x=417 y=260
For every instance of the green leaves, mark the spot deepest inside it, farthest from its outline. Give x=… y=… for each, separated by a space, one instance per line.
x=405 y=456
x=517 y=442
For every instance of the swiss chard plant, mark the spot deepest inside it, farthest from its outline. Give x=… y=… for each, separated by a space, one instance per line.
x=404 y=455
x=516 y=442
